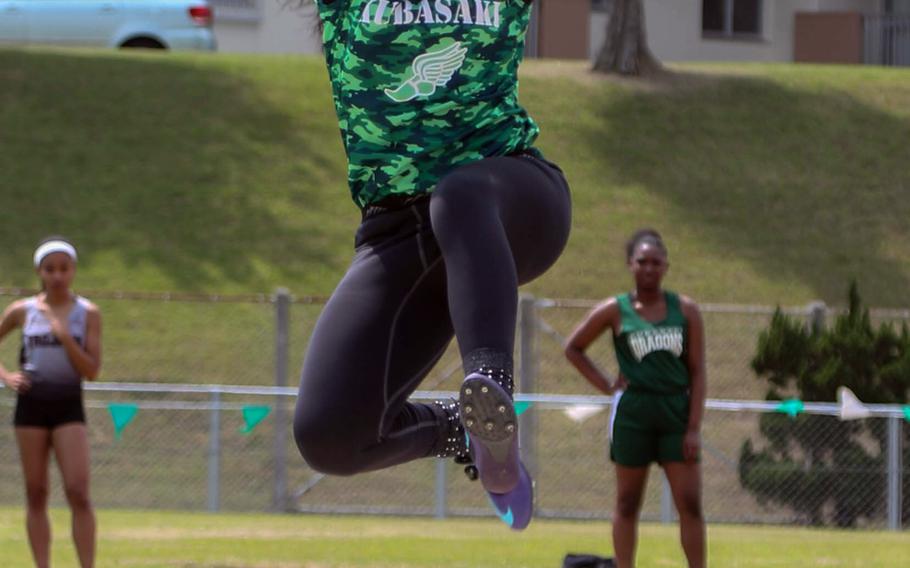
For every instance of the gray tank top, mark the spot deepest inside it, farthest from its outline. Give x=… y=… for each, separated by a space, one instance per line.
x=43 y=356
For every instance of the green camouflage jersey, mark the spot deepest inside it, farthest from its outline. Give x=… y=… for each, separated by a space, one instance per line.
x=652 y=356
x=424 y=86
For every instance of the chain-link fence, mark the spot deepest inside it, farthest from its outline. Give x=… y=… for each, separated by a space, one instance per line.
x=184 y=449
x=187 y=450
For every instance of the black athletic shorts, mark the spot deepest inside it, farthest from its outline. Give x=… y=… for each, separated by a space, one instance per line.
x=48 y=413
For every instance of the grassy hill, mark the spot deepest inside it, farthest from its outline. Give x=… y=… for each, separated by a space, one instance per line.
x=225 y=174
x=217 y=173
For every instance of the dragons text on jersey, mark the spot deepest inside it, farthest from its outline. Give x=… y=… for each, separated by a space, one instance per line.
x=647 y=341
x=406 y=12
x=651 y=355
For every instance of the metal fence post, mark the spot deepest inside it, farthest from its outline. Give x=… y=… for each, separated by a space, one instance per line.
x=282 y=347
x=894 y=473
x=817 y=311
x=527 y=379
x=214 y=462
x=441 y=506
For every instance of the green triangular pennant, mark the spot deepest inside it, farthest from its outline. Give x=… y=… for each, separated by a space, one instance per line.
x=121 y=414
x=521 y=407
x=252 y=416
x=791 y=407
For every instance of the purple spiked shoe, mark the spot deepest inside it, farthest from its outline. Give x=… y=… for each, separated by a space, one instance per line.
x=489 y=418
x=516 y=508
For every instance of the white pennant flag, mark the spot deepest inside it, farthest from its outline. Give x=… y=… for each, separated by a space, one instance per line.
x=581 y=412
x=850 y=406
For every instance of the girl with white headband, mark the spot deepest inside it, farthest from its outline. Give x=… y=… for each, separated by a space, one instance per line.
x=61 y=346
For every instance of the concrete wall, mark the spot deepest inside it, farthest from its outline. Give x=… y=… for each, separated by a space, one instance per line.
x=861 y=6
x=265 y=26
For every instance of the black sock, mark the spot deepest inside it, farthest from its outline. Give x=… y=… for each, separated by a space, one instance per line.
x=451 y=441
x=495 y=364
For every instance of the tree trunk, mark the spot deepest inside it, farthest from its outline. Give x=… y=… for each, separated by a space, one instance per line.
x=626 y=49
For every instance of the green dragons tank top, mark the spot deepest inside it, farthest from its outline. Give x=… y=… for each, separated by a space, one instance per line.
x=652 y=356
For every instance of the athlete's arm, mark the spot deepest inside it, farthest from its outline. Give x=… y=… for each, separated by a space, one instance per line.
x=603 y=317
x=92 y=343
x=87 y=359
x=12 y=317
x=697 y=376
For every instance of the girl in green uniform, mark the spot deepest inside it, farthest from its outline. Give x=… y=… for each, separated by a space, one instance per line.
x=660 y=394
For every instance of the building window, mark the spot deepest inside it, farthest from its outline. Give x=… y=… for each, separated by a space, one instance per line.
x=601 y=5
x=731 y=18
x=901 y=7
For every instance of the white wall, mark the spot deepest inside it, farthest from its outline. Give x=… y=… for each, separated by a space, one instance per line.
x=598 y=32
x=265 y=26
x=674 y=30
x=862 y=6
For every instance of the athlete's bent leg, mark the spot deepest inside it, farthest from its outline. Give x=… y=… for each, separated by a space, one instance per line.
x=499 y=222
x=383 y=329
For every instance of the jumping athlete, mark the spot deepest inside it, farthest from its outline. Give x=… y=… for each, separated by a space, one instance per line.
x=458 y=210
x=61 y=345
x=659 y=342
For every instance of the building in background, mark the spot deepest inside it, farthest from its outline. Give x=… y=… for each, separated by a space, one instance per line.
x=728 y=30
x=559 y=28
x=843 y=31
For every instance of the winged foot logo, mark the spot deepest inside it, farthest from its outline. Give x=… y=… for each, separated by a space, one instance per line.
x=429 y=71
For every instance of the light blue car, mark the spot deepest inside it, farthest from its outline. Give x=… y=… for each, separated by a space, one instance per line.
x=163 y=24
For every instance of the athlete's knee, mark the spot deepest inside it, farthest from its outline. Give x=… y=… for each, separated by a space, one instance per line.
x=36 y=495
x=77 y=495
x=324 y=445
x=690 y=506
x=627 y=505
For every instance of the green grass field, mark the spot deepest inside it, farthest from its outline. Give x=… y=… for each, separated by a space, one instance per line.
x=163 y=539
x=225 y=173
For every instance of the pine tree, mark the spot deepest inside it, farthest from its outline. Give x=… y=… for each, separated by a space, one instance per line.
x=827 y=470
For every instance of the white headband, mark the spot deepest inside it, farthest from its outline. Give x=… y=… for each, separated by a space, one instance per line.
x=51 y=247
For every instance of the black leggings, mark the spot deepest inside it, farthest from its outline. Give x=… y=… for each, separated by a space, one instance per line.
x=449 y=263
